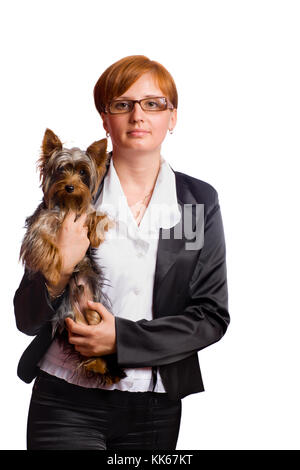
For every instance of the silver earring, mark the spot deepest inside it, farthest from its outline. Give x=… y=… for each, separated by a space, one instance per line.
x=107 y=134
x=171 y=131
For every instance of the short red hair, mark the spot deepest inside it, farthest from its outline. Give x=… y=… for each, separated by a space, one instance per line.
x=117 y=78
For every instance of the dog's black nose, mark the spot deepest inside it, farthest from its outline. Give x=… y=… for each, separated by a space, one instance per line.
x=69 y=188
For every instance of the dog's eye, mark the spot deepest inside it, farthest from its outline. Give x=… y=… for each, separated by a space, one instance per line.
x=82 y=172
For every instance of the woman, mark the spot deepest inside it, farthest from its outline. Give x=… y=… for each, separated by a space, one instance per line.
x=165 y=261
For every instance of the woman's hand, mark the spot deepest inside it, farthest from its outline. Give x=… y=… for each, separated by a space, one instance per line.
x=94 y=340
x=72 y=241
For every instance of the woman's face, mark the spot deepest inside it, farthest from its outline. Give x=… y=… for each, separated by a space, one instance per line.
x=140 y=130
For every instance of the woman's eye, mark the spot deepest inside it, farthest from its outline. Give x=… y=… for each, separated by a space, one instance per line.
x=152 y=104
x=121 y=105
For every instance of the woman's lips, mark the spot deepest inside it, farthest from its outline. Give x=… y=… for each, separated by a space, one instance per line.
x=137 y=133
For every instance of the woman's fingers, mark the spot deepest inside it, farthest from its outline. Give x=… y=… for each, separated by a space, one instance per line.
x=82 y=219
x=76 y=328
x=71 y=218
x=76 y=230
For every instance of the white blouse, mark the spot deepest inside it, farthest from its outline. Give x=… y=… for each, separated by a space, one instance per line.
x=128 y=259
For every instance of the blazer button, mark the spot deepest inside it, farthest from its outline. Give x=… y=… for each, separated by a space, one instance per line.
x=136 y=290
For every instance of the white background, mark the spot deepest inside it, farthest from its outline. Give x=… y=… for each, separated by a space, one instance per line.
x=236 y=66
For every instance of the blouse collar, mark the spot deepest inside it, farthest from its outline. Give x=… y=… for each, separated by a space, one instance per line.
x=162 y=211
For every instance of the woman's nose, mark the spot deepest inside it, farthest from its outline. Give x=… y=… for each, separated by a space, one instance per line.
x=137 y=114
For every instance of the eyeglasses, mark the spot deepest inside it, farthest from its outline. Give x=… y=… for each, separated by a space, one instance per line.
x=158 y=103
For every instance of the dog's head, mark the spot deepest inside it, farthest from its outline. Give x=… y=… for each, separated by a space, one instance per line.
x=70 y=177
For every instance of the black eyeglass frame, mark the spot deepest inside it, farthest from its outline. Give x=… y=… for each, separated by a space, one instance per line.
x=167 y=106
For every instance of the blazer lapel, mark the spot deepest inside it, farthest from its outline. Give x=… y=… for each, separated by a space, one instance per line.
x=167 y=252
x=173 y=241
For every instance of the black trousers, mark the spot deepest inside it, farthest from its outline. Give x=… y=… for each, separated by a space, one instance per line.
x=63 y=416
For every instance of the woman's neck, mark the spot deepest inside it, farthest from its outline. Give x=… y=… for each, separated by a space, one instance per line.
x=137 y=173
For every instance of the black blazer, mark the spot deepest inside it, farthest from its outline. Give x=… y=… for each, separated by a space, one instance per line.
x=190 y=302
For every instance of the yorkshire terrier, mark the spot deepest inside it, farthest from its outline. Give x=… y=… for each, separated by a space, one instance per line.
x=69 y=180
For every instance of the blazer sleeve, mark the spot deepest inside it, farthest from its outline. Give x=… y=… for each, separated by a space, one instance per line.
x=204 y=320
x=32 y=304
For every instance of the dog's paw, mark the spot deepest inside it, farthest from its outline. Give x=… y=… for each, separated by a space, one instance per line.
x=92 y=317
x=96 y=365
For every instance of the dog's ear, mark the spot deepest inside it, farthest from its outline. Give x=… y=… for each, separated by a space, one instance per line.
x=97 y=151
x=50 y=143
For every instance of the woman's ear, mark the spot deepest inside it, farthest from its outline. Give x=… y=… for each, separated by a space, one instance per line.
x=104 y=121
x=173 y=118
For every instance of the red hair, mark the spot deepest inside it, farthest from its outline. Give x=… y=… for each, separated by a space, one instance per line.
x=117 y=78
